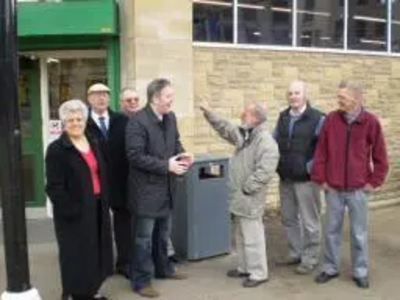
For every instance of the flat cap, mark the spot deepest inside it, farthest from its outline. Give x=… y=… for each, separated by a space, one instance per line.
x=98 y=87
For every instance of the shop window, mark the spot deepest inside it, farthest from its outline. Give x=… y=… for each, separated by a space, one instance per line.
x=213 y=21
x=70 y=79
x=367 y=25
x=320 y=24
x=396 y=26
x=265 y=22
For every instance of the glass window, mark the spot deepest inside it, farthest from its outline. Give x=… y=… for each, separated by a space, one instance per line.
x=367 y=25
x=265 y=22
x=395 y=26
x=213 y=21
x=26 y=93
x=320 y=23
x=70 y=79
x=28 y=177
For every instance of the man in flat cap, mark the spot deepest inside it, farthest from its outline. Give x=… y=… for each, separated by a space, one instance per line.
x=108 y=128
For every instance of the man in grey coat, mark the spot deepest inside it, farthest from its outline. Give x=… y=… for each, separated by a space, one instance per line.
x=252 y=167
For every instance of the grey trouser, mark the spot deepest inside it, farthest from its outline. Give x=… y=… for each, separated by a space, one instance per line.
x=251 y=248
x=356 y=202
x=301 y=217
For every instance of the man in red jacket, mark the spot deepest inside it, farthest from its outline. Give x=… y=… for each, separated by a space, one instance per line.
x=349 y=163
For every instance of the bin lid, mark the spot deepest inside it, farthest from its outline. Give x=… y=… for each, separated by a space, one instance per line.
x=206 y=158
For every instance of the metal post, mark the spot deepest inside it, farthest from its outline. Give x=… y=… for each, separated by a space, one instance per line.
x=389 y=25
x=346 y=25
x=235 y=21
x=295 y=33
x=13 y=206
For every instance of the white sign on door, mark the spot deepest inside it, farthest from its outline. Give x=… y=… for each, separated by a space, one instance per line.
x=55 y=130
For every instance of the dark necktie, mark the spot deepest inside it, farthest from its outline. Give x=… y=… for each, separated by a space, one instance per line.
x=103 y=126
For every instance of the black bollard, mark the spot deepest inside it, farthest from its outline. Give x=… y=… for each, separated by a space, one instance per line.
x=13 y=206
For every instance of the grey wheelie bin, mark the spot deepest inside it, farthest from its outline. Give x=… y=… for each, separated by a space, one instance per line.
x=201 y=218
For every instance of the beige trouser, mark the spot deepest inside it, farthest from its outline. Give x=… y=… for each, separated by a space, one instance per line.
x=250 y=244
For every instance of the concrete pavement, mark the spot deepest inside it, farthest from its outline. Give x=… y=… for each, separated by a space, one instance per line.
x=208 y=281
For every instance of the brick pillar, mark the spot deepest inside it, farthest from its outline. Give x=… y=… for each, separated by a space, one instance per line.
x=156 y=41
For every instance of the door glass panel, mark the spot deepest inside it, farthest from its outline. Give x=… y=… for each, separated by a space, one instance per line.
x=70 y=79
x=30 y=122
x=28 y=177
x=24 y=102
x=25 y=93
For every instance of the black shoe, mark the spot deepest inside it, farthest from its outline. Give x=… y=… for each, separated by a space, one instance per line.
x=95 y=297
x=250 y=283
x=325 y=277
x=122 y=272
x=289 y=262
x=236 y=274
x=65 y=296
x=361 y=282
x=175 y=259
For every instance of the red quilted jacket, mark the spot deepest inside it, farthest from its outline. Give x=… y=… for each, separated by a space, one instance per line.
x=350 y=156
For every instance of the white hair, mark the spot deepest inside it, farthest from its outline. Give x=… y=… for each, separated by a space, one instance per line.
x=259 y=110
x=72 y=106
x=124 y=90
x=303 y=87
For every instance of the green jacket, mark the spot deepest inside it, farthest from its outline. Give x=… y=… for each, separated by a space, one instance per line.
x=252 y=166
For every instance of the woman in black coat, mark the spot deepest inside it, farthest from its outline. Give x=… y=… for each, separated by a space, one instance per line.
x=76 y=185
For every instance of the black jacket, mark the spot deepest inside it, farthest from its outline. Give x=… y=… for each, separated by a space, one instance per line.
x=298 y=149
x=113 y=150
x=149 y=145
x=82 y=223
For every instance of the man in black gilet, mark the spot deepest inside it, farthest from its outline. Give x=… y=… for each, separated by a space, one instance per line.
x=297 y=133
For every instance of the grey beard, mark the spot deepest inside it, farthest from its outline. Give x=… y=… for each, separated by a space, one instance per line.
x=246 y=127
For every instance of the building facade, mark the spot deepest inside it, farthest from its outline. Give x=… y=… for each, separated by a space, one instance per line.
x=224 y=51
x=64 y=46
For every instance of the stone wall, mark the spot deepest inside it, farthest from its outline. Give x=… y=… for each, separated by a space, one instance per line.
x=156 y=41
x=229 y=77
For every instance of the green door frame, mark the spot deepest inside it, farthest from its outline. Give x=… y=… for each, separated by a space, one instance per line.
x=110 y=44
x=32 y=144
x=114 y=71
x=48 y=26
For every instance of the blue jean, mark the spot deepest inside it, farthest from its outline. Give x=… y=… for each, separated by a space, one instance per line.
x=150 y=252
x=356 y=203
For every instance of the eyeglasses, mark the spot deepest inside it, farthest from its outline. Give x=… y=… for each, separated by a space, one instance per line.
x=73 y=120
x=132 y=99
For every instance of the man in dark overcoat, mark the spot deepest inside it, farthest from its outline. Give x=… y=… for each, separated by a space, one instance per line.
x=155 y=155
x=108 y=128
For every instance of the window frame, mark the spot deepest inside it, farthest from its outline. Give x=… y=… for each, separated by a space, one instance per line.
x=295 y=47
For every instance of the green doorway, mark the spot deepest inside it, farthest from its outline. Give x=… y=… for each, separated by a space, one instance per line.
x=31 y=128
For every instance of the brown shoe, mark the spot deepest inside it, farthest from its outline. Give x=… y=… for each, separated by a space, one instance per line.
x=177 y=276
x=148 y=291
